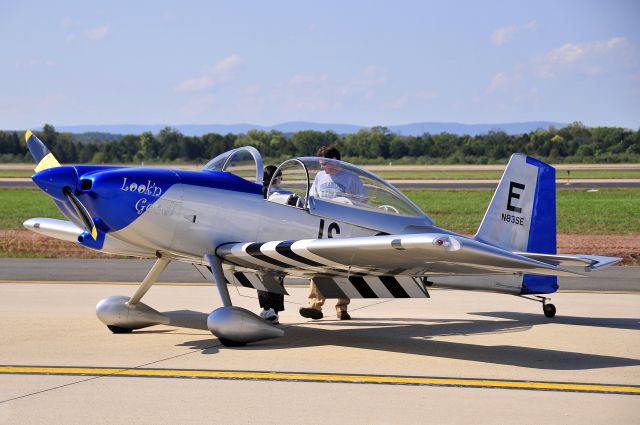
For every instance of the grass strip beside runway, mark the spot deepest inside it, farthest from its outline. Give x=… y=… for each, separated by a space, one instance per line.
x=324 y=378
x=607 y=211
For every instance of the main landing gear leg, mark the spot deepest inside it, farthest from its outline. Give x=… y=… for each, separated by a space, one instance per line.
x=123 y=314
x=549 y=310
x=235 y=326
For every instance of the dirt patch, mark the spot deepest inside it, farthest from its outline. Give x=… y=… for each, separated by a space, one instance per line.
x=24 y=243
x=625 y=246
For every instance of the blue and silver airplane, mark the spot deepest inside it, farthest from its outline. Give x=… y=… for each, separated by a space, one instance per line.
x=372 y=244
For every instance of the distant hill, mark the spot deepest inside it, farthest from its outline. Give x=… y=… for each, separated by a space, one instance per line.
x=414 y=129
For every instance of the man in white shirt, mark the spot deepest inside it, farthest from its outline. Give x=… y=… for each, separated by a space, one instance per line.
x=333 y=183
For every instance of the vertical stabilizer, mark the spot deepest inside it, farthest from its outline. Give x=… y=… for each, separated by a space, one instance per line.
x=522 y=215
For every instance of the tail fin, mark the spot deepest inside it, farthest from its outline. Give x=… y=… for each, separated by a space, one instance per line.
x=522 y=216
x=43 y=157
x=522 y=213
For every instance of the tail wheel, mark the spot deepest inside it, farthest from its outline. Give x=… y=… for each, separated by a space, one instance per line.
x=549 y=310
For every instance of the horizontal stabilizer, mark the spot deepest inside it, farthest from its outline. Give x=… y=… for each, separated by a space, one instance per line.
x=589 y=262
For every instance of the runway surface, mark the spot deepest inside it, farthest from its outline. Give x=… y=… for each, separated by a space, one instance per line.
x=626 y=279
x=458 y=357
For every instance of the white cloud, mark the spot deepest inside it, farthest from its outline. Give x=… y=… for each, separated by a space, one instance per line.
x=567 y=53
x=97 y=34
x=573 y=53
x=67 y=21
x=502 y=35
x=498 y=81
x=224 y=70
x=615 y=42
x=195 y=84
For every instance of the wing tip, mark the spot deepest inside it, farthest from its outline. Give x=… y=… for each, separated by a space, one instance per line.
x=28 y=135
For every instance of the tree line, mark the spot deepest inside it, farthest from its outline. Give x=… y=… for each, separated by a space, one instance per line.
x=574 y=143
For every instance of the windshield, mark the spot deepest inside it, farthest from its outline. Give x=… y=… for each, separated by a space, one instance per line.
x=344 y=183
x=245 y=162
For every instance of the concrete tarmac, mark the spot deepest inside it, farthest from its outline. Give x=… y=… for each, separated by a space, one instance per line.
x=458 y=357
x=134 y=270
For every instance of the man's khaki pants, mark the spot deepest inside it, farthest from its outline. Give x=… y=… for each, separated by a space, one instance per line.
x=316 y=300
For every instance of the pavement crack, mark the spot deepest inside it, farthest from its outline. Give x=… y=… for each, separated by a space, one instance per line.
x=115 y=372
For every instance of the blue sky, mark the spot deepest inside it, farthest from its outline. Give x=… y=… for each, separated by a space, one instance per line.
x=357 y=62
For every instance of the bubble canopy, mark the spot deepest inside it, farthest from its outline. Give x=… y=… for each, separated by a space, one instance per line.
x=299 y=181
x=339 y=182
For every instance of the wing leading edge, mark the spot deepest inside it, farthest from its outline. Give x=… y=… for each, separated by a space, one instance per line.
x=427 y=254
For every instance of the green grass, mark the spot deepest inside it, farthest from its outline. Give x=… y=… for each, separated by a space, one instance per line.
x=603 y=212
x=607 y=211
x=15 y=173
x=18 y=205
x=495 y=174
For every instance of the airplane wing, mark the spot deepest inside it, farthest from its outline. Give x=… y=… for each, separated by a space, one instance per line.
x=54 y=228
x=417 y=255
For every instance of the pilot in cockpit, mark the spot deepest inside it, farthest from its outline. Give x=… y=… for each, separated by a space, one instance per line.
x=335 y=183
x=339 y=185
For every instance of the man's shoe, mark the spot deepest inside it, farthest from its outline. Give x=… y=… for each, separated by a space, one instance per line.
x=310 y=313
x=343 y=315
x=269 y=315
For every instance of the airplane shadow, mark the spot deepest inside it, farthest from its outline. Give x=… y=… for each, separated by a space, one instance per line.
x=417 y=337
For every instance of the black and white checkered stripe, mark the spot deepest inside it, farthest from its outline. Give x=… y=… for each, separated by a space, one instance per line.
x=371 y=287
x=263 y=282
x=288 y=255
x=280 y=255
x=339 y=287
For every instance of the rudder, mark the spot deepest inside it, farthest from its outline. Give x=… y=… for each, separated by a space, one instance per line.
x=522 y=215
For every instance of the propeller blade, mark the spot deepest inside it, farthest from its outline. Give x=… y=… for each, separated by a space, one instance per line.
x=82 y=212
x=40 y=153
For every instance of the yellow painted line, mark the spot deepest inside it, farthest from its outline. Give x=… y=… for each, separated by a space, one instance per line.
x=319 y=377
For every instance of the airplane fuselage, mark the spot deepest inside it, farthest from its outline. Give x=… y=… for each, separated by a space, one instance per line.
x=187 y=213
